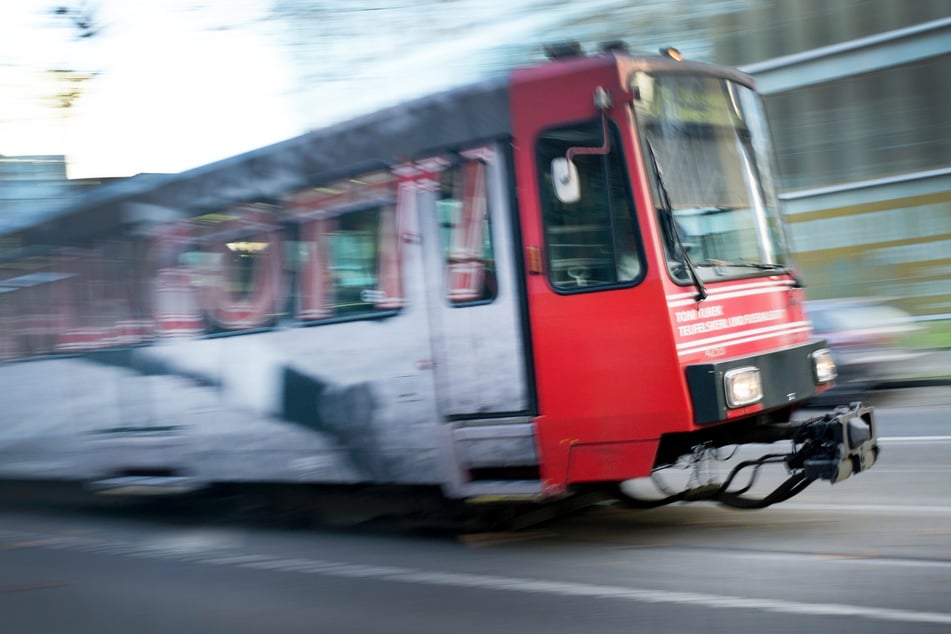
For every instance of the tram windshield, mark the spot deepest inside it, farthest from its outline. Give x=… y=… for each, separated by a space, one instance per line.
x=707 y=145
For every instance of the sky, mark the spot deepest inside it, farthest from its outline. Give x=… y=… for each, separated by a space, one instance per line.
x=171 y=89
x=174 y=84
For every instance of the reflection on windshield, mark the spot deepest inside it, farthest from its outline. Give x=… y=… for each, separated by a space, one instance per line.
x=710 y=146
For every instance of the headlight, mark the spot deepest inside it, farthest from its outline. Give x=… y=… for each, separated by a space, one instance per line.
x=742 y=386
x=823 y=366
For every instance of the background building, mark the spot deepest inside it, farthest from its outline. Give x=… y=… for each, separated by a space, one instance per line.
x=861 y=111
x=28 y=183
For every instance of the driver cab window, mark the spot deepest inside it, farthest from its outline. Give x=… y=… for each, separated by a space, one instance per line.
x=591 y=238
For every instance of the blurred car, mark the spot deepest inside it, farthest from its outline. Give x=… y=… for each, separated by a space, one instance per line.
x=866 y=338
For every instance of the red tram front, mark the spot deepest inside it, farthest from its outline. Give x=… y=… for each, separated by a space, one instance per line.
x=665 y=313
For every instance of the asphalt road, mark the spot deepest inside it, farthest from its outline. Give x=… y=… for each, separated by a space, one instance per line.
x=871 y=554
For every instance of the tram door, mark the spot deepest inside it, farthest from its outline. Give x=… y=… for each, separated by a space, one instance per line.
x=601 y=372
x=479 y=350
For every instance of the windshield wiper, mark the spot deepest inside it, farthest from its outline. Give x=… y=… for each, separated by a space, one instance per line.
x=763 y=266
x=670 y=226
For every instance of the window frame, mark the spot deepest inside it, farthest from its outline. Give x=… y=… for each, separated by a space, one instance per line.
x=543 y=175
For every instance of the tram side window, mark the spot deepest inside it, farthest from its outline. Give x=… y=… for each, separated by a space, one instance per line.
x=227 y=278
x=72 y=300
x=353 y=261
x=591 y=242
x=28 y=319
x=466 y=234
x=347 y=268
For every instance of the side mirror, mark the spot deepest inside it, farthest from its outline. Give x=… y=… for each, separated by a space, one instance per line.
x=564 y=177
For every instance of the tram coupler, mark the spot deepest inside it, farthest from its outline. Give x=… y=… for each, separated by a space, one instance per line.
x=835 y=445
x=830 y=447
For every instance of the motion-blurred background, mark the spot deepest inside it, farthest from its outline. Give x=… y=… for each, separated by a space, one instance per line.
x=857 y=91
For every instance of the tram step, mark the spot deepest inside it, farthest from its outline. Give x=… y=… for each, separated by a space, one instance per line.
x=488 y=491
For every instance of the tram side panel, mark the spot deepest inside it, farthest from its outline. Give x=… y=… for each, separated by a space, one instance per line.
x=338 y=402
x=306 y=396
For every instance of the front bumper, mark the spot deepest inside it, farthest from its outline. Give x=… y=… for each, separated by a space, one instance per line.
x=786 y=375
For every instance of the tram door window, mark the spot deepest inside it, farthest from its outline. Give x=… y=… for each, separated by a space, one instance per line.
x=591 y=241
x=466 y=235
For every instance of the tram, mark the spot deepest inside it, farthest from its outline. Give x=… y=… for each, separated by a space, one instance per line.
x=523 y=289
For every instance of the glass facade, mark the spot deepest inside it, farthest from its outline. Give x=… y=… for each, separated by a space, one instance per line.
x=864 y=159
x=868 y=126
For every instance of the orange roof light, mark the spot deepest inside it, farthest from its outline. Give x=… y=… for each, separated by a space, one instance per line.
x=672 y=53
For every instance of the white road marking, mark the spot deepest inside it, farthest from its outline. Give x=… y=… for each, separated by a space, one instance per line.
x=840 y=558
x=865 y=508
x=914 y=439
x=485 y=582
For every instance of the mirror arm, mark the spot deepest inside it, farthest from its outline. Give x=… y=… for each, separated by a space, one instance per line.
x=564 y=171
x=605 y=147
x=602 y=101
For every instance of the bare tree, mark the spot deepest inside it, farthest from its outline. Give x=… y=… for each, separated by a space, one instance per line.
x=81 y=17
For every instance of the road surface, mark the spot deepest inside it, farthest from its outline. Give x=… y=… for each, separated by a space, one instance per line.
x=871 y=554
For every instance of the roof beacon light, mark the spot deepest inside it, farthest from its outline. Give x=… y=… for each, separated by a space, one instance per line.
x=563 y=50
x=672 y=53
x=615 y=46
